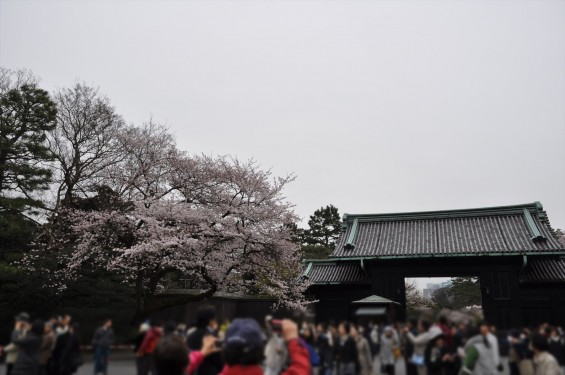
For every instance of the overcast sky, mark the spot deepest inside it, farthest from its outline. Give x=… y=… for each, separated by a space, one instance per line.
x=376 y=106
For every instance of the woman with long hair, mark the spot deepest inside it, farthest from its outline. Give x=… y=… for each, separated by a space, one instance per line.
x=480 y=358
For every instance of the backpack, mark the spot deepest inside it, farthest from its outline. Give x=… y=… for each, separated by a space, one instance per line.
x=314 y=356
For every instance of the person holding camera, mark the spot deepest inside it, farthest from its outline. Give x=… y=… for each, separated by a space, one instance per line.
x=206 y=325
x=243 y=349
x=275 y=348
x=12 y=350
x=29 y=346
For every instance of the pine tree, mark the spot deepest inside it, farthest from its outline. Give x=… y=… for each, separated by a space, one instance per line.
x=466 y=291
x=318 y=241
x=26 y=114
x=325 y=226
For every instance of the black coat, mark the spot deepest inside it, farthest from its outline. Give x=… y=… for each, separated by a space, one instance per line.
x=409 y=347
x=325 y=350
x=28 y=357
x=66 y=354
x=212 y=364
x=557 y=349
x=435 y=364
x=346 y=352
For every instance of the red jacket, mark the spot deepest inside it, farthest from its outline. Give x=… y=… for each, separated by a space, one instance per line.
x=299 y=363
x=150 y=341
x=195 y=358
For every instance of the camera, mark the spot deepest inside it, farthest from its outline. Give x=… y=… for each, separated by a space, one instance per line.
x=276 y=325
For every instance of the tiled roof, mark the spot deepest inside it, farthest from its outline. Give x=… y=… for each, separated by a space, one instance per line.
x=522 y=229
x=336 y=273
x=374 y=299
x=544 y=269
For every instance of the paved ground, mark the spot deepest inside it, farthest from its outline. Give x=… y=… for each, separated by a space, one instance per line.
x=126 y=366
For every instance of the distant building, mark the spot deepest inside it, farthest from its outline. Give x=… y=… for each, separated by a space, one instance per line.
x=431 y=288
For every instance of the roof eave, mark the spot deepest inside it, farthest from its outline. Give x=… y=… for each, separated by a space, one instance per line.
x=387 y=257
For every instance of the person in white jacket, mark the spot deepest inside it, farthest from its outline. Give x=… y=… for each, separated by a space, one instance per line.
x=426 y=333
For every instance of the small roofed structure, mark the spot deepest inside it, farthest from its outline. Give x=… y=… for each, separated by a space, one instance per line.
x=376 y=307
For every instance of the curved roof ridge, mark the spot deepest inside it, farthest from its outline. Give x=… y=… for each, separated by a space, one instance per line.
x=534 y=208
x=503 y=230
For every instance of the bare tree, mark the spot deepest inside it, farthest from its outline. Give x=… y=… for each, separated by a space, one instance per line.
x=85 y=141
x=14 y=79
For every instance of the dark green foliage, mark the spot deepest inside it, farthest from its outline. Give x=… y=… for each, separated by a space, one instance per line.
x=466 y=291
x=16 y=231
x=325 y=226
x=26 y=114
x=315 y=252
x=443 y=299
x=318 y=241
x=463 y=292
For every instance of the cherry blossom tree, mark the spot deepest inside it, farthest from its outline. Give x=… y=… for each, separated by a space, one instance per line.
x=217 y=221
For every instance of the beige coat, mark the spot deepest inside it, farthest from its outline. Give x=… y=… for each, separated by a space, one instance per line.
x=546 y=364
x=12 y=352
x=364 y=354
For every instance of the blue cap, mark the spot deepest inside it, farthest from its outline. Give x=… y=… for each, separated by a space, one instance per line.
x=244 y=333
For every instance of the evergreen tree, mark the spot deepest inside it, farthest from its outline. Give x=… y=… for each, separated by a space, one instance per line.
x=466 y=292
x=463 y=292
x=26 y=114
x=325 y=226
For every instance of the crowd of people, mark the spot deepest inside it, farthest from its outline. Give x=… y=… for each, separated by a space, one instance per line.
x=49 y=347
x=291 y=347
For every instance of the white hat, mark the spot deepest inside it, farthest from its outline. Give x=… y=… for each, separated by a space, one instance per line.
x=434 y=332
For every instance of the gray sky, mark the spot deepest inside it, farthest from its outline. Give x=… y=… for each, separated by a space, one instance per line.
x=376 y=106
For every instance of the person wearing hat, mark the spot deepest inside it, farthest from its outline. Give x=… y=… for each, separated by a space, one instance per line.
x=12 y=350
x=243 y=349
x=388 y=343
x=437 y=356
x=145 y=352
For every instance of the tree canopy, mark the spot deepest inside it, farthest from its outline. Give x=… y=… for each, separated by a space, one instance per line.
x=319 y=239
x=463 y=292
x=218 y=221
x=27 y=113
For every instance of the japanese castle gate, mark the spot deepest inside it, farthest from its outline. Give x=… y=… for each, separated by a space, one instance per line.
x=512 y=249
